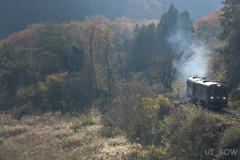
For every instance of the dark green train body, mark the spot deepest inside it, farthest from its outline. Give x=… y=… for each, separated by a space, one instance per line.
x=209 y=93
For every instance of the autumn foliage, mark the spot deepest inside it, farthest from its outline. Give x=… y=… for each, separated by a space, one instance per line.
x=208 y=28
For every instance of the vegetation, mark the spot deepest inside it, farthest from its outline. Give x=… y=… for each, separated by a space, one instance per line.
x=101 y=89
x=208 y=28
x=156 y=49
x=90 y=118
x=50 y=136
x=228 y=50
x=167 y=132
x=16 y=15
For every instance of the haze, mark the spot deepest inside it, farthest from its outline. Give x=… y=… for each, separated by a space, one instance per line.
x=15 y=15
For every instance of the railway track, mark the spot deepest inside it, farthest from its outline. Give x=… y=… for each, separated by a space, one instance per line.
x=224 y=111
x=229 y=113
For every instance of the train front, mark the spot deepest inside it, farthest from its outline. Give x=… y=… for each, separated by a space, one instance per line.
x=218 y=96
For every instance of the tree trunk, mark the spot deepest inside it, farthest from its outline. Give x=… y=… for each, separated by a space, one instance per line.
x=110 y=78
x=93 y=73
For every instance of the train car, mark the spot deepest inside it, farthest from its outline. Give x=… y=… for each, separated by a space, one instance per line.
x=209 y=93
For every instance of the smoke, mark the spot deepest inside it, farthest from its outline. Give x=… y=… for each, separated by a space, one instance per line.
x=197 y=66
x=194 y=48
x=157 y=3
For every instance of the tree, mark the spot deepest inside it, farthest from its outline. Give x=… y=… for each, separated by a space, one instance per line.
x=168 y=22
x=230 y=20
x=57 y=44
x=141 y=54
x=50 y=71
x=230 y=36
x=208 y=28
x=16 y=71
x=90 y=42
x=185 y=23
x=171 y=24
x=166 y=26
x=7 y=80
x=164 y=69
x=108 y=36
x=158 y=50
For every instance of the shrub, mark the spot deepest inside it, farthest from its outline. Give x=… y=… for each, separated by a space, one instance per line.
x=164 y=106
x=91 y=117
x=5 y=133
x=137 y=114
x=189 y=133
x=151 y=152
x=51 y=92
x=231 y=140
x=120 y=110
x=110 y=132
x=144 y=125
x=19 y=112
x=234 y=97
x=235 y=104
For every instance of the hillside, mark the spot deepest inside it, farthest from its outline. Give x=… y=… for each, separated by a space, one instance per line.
x=74 y=136
x=208 y=28
x=54 y=136
x=116 y=89
x=16 y=15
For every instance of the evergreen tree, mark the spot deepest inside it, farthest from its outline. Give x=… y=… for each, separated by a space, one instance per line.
x=185 y=23
x=230 y=19
x=170 y=24
x=142 y=48
x=7 y=79
x=230 y=22
x=167 y=24
x=162 y=45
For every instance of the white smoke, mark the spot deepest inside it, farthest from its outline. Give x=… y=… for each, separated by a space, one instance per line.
x=197 y=65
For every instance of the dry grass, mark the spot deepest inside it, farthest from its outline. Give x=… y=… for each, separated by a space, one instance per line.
x=53 y=136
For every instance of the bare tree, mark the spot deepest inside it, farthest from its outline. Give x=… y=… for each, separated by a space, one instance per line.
x=108 y=36
x=90 y=47
x=164 y=68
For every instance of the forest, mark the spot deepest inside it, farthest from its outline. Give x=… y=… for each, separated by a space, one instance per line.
x=122 y=77
x=16 y=15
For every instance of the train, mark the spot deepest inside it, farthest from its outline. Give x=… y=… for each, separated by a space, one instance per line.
x=210 y=94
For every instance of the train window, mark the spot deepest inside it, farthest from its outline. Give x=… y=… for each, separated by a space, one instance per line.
x=218 y=91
